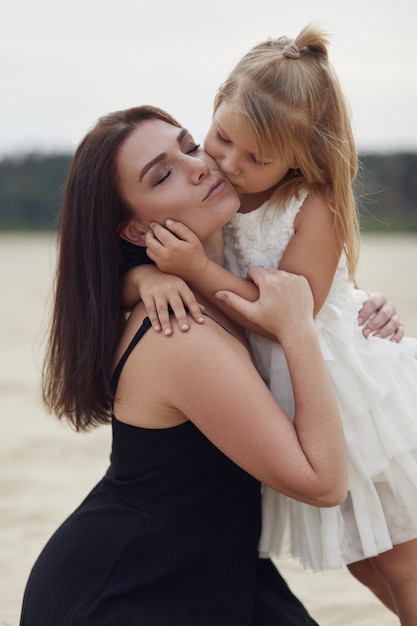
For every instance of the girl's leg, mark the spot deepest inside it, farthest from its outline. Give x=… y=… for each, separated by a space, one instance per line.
x=398 y=567
x=365 y=572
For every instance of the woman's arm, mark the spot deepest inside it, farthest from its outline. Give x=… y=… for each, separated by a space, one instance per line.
x=208 y=377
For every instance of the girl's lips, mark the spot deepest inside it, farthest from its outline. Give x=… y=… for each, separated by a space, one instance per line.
x=218 y=186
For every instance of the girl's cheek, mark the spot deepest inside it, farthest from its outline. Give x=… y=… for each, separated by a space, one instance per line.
x=212 y=148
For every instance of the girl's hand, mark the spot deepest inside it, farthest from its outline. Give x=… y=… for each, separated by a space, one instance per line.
x=176 y=250
x=159 y=291
x=380 y=318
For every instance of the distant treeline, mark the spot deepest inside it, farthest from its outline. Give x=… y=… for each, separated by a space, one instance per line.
x=386 y=189
x=31 y=188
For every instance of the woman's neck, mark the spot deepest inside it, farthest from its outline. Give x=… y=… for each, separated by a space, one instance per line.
x=213 y=246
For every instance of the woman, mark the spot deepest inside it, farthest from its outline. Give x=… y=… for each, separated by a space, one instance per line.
x=169 y=536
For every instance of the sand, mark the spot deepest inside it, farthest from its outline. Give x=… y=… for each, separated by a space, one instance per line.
x=46 y=469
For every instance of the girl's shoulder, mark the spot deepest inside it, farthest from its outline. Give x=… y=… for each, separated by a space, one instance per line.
x=317 y=208
x=282 y=212
x=286 y=204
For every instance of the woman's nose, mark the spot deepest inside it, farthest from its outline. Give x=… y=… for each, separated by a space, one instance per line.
x=199 y=169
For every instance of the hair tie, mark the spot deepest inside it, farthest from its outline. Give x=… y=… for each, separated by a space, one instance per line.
x=291 y=51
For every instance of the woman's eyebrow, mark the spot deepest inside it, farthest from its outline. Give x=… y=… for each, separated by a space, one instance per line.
x=161 y=156
x=182 y=134
x=150 y=164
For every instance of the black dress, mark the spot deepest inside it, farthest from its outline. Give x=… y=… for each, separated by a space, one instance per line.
x=167 y=538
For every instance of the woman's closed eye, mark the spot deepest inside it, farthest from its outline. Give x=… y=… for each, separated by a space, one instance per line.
x=162 y=176
x=195 y=148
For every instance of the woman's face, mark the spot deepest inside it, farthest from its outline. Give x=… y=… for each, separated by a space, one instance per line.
x=163 y=174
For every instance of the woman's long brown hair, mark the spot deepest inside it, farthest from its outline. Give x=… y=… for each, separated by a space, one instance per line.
x=87 y=313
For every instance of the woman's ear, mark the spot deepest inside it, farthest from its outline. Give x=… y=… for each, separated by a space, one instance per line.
x=134 y=233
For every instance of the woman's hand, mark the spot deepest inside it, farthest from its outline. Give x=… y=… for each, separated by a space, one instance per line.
x=379 y=317
x=285 y=301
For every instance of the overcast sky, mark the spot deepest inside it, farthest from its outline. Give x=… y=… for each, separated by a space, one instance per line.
x=65 y=63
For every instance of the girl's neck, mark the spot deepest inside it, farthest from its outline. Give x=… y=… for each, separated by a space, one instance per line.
x=251 y=201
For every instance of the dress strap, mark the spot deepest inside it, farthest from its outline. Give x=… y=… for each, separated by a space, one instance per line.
x=146 y=325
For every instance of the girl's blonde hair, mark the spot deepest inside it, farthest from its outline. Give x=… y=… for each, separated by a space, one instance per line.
x=292 y=102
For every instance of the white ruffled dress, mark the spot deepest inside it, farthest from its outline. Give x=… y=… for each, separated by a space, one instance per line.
x=375 y=382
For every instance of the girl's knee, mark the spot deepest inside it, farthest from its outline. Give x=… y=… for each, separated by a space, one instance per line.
x=363 y=571
x=398 y=565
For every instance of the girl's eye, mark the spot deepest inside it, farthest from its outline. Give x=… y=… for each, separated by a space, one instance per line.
x=221 y=138
x=260 y=163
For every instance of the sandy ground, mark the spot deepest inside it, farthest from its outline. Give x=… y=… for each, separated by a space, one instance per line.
x=46 y=469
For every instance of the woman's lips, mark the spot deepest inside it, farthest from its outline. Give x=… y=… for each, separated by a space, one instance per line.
x=218 y=187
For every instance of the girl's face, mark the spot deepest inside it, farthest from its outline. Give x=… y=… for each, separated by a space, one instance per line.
x=163 y=174
x=235 y=150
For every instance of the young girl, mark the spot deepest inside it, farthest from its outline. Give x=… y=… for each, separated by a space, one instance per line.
x=281 y=134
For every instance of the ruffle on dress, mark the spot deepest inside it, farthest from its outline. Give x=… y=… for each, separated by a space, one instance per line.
x=375 y=383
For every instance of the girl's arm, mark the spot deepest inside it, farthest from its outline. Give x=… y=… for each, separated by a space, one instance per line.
x=209 y=378
x=176 y=249
x=159 y=291
x=311 y=252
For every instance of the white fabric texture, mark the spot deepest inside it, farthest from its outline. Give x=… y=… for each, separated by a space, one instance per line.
x=375 y=383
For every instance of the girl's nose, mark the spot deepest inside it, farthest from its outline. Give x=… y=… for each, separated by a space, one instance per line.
x=230 y=165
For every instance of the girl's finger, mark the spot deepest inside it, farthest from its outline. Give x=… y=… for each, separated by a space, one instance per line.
x=180 y=313
x=195 y=309
x=163 y=316
x=152 y=314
